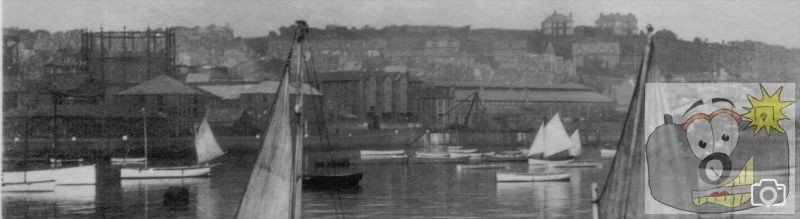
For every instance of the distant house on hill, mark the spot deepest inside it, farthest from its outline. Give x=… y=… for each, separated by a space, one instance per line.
x=558 y=24
x=607 y=53
x=443 y=44
x=618 y=24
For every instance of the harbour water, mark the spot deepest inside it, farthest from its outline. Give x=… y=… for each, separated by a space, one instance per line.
x=394 y=190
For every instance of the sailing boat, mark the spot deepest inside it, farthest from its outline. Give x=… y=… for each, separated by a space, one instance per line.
x=625 y=178
x=555 y=144
x=575 y=151
x=21 y=182
x=273 y=190
x=75 y=175
x=576 y=143
x=206 y=147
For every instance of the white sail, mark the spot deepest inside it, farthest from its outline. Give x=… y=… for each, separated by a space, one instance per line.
x=206 y=144
x=270 y=188
x=576 y=141
x=537 y=147
x=556 y=138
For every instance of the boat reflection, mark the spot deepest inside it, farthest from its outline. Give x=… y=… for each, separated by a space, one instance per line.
x=150 y=193
x=66 y=200
x=153 y=184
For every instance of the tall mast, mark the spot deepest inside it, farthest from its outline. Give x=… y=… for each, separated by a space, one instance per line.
x=297 y=150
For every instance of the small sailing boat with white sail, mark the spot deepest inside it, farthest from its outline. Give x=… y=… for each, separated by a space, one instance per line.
x=553 y=146
x=206 y=147
x=575 y=151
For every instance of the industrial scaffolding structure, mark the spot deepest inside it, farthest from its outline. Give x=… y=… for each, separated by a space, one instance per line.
x=120 y=58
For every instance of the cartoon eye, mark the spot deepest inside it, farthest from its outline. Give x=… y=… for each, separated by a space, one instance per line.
x=726 y=133
x=701 y=138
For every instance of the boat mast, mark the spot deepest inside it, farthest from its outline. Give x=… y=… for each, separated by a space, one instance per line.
x=53 y=96
x=27 y=133
x=297 y=150
x=144 y=124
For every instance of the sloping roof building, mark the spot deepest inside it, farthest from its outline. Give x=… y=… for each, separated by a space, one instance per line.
x=508 y=106
x=181 y=104
x=616 y=23
x=558 y=24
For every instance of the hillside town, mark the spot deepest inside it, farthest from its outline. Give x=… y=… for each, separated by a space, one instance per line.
x=394 y=77
x=399 y=109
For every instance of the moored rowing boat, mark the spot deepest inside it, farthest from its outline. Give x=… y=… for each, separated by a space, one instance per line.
x=531 y=177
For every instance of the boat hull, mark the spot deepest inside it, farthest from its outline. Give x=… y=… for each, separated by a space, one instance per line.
x=461 y=155
x=339 y=162
x=30 y=186
x=465 y=151
x=437 y=160
x=472 y=156
x=505 y=158
x=383 y=157
x=167 y=172
x=343 y=181
x=607 y=153
x=380 y=160
x=128 y=160
x=527 y=177
x=81 y=175
x=533 y=161
x=481 y=166
x=387 y=152
x=432 y=155
x=579 y=165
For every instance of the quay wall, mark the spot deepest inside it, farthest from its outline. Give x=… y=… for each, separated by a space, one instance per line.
x=409 y=139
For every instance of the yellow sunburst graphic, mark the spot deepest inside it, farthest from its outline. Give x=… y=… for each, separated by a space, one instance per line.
x=766 y=112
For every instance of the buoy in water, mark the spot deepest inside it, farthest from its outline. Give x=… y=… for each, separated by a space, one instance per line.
x=176 y=196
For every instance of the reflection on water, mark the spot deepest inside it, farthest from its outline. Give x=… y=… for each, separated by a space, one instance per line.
x=406 y=191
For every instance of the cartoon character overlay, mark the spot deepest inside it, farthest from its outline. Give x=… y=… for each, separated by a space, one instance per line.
x=707 y=161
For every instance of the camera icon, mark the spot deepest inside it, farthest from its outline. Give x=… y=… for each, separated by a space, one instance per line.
x=768 y=192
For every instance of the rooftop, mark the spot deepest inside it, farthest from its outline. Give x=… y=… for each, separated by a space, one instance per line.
x=160 y=85
x=359 y=75
x=93 y=111
x=227 y=92
x=271 y=87
x=617 y=17
x=556 y=17
x=509 y=86
x=536 y=96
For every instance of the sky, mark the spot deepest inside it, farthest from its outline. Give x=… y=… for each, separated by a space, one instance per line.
x=770 y=21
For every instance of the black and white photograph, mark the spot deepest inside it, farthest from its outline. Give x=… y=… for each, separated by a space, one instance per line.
x=545 y=109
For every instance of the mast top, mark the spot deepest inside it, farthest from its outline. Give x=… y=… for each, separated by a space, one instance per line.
x=302 y=30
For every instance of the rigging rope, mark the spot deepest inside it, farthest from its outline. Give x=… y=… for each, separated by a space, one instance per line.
x=322 y=128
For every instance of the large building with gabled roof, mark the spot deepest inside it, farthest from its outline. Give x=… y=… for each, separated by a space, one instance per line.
x=182 y=104
x=558 y=24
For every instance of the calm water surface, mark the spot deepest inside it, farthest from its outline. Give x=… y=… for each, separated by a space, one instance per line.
x=395 y=190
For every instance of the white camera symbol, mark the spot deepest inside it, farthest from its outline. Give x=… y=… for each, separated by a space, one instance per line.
x=776 y=190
